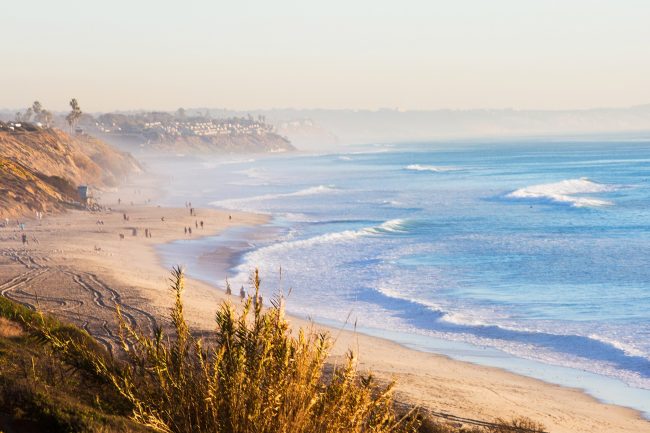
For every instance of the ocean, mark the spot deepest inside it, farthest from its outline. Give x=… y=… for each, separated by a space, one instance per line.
x=531 y=255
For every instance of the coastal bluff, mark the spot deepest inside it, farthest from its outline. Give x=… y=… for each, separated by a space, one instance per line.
x=41 y=168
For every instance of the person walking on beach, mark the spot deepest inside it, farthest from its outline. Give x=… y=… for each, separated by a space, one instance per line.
x=24 y=237
x=185 y=230
x=201 y=224
x=196 y=224
x=242 y=292
x=257 y=300
x=146 y=233
x=189 y=230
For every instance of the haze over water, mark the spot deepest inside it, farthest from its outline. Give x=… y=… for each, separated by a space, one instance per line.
x=538 y=249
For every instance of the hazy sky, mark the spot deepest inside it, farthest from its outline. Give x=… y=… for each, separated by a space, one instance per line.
x=246 y=54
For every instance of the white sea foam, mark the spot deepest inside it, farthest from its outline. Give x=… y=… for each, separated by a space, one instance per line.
x=433 y=168
x=235 y=203
x=252 y=173
x=311 y=191
x=214 y=164
x=395 y=294
x=565 y=192
x=388 y=227
x=628 y=349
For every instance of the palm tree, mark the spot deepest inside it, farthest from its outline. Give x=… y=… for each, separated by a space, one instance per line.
x=75 y=113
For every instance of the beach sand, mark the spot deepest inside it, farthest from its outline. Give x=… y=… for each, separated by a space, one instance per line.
x=79 y=269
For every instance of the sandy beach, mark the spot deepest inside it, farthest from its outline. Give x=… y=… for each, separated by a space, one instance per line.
x=77 y=266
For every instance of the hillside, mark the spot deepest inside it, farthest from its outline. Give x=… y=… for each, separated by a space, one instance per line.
x=40 y=169
x=229 y=144
x=178 y=132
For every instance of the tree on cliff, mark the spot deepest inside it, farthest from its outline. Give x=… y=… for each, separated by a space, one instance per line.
x=73 y=117
x=41 y=114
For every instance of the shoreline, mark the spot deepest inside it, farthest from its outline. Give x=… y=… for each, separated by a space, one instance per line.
x=363 y=338
x=67 y=252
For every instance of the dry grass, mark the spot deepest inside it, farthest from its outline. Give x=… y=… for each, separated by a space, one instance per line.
x=251 y=376
x=9 y=329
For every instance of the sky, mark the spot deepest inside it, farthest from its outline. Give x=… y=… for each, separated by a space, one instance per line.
x=353 y=54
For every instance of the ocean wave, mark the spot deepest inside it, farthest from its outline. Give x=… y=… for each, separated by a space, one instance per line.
x=253 y=173
x=605 y=355
x=394 y=226
x=240 y=202
x=628 y=349
x=565 y=192
x=214 y=164
x=311 y=191
x=433 y=168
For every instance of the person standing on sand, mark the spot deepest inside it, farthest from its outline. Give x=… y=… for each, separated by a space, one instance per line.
x=189 y=230
x=242 y=292
x=196 y=224
x=24 y=237
x=201 y=224
x=185 y=228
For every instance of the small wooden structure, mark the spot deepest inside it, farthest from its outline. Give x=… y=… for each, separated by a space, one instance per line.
x=85 y=195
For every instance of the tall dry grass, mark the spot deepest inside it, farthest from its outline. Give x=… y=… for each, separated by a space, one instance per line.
x=251 y=375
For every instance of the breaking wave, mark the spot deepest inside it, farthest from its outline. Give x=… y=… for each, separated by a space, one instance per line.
x=240 y=202
x=394 y=226
x=566 y=191
x=433 y=168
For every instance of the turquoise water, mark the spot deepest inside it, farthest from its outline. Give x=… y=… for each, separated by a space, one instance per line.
x=538 y=250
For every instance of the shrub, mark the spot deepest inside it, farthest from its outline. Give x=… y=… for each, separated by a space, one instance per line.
x=251 y=375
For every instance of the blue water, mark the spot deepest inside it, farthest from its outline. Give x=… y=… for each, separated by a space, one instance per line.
x=539 y=250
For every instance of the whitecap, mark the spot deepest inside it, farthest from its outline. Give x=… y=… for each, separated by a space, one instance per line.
x=388 y=227
x=236 y=203
x=433 y=168
x=565 y=192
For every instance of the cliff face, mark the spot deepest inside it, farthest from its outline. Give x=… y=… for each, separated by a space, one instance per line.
x=244 y=143
x=221 y=144
x=40 y=169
